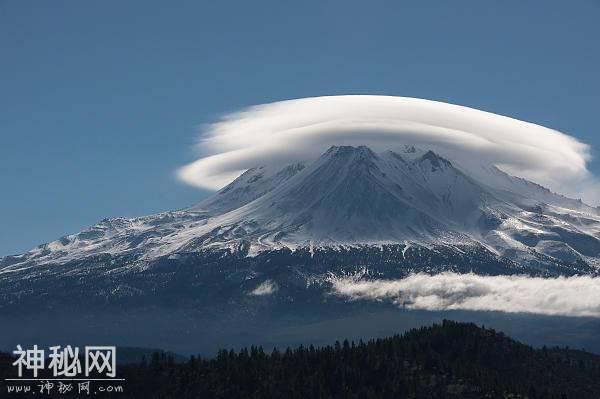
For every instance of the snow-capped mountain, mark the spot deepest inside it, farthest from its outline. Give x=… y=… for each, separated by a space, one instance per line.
x=351 y=196
x=260 y=258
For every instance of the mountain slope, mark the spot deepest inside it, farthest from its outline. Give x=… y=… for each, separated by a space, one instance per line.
x=351 y=196
x=249 y=186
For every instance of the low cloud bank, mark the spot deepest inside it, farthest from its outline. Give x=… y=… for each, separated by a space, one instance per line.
x=294 y=130
x=564 y=296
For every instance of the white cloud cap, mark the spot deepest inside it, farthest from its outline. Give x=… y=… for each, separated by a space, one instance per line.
x=287 y=131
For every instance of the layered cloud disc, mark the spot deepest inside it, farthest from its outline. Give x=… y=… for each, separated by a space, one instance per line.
x=301 y=129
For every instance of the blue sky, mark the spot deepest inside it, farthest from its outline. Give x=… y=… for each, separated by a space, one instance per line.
x=99 y=101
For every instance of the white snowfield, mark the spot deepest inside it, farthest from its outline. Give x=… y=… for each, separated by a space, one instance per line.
x=351 y=196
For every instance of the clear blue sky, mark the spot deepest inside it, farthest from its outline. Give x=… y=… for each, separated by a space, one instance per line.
x=99 y=100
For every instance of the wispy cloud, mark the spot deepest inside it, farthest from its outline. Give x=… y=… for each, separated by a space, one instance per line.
x=267 y=287
x=300 y=129
x=567 y=296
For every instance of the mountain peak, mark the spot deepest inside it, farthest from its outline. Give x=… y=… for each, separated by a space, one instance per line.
x=437 y=162
x=348 y=151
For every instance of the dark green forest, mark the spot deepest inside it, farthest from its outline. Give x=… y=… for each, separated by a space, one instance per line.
x=449 y=360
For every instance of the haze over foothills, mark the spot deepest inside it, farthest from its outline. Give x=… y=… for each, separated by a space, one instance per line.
x=95 y=124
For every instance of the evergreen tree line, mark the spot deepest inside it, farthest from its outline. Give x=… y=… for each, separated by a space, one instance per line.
x=448 y=360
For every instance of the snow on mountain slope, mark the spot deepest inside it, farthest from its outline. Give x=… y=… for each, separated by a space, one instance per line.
x=351 y=196
x=519 y=190
x=251 y=185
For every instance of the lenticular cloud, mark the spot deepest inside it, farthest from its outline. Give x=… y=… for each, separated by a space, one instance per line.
x=301 y=129
x=566 y=296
